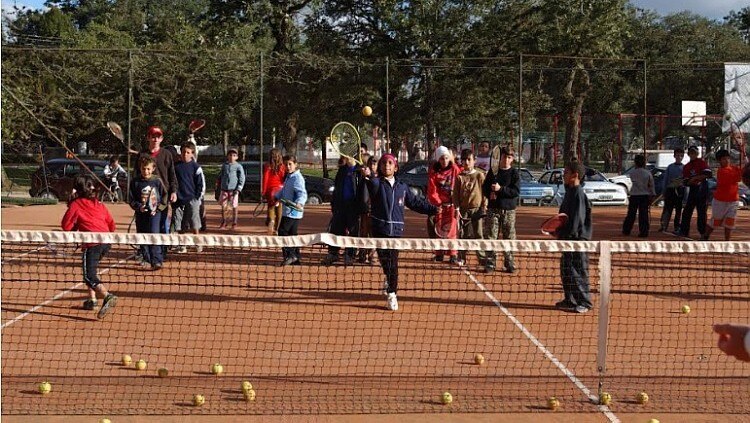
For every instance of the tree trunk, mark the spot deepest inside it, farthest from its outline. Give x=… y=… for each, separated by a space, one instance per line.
x=575 y=93
x=292 y=124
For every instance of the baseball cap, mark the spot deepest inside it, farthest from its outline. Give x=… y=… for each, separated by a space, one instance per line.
x=154 y=131
x=692 y=148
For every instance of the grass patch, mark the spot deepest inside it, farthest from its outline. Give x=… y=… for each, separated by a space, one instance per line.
x=25 y=201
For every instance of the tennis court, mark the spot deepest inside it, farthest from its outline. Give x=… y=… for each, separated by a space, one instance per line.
x=318 y=340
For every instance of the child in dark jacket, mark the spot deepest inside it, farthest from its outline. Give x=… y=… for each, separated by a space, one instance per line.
x=574 y=265
x=387 y=197
x=148 y=197
x=346 y=207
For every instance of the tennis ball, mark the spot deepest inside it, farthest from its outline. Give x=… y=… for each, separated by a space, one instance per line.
x=447 y=398
x=126 y=360
x=642 y=398
x=653 y=421
x=366 y=111
x=553 y=403
x=479 y=359
x=605 y=398
x=105 y=421
x=217 y=369
x=141 y=365
x=162 y=372
x=685 y=309
x=199 y=400
x=246 y=385
x=249 y=395
x=45 y=388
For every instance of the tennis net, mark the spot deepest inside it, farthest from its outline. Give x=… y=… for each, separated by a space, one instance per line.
x=317 y=339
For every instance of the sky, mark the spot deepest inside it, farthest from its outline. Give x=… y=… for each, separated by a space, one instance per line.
x=712 y=9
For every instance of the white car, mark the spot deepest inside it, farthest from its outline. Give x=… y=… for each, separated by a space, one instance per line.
x=623 y=180
x=596 y=186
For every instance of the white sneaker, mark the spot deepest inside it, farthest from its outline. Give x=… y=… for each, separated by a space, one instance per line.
x=198 y=248
x=392 y=302
x=181 y=249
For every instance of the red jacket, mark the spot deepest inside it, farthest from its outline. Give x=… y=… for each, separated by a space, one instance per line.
x=87 y=215
x=272 y=181
x=440 y=183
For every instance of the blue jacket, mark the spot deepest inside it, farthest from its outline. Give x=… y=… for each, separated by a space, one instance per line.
x=232 y=177
x=139 y=189
x=387 y=206
x=190 y=182
x=293 y=190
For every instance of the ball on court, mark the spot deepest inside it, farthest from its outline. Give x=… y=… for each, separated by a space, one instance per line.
x=479 y=359
x=553 y=403
x=249 y=395
x=642 y=398
x=246 y=385
x=447 y=398
x=105 y=421
x=366 y=111
x=45 y=388
x=605 y=398
x=141 y=365
x=685 y=309
x=653 y=421
x=217 y=369
x=126 y=360
x=162 y=372
x=199 y=400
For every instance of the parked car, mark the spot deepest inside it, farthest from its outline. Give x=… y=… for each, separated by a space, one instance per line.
x=622 y=180
x=597 y=187
x=61 y=175
x=319 y=190
x=414 y=174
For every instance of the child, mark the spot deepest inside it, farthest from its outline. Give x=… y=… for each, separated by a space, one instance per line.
x=388 y=196
x=724 y=204
x=695 y=174
x=641 y=194
x=502 y=191
x=365 y=255
x=273 y=179
x=230 y=182
x=441 y=179
x=147 y=220
x=112 y=171
x=87 y=214
x=468 y=198
x=293 y=190
x=346 y=207
x=190 y=183
x=574 y=266
x=483 y=156
x=673 y=191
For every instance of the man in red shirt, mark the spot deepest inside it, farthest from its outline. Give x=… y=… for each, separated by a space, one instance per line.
x=695 y=174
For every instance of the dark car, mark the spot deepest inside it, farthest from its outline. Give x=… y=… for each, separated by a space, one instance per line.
x=414 y=174
x=319 y=190
x=61 y=175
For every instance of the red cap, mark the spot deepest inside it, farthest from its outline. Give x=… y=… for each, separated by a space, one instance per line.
x=154 y=130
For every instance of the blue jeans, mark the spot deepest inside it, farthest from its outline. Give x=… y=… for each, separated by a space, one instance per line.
x=145 y=223
x=574 y=270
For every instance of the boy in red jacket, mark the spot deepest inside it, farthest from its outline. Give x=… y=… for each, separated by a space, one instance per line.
x=87 y=214
x=441 y=181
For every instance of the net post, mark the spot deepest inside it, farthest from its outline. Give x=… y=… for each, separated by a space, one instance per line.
x=605 y=281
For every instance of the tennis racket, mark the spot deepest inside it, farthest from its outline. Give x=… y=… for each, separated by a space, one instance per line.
x=346 y=141
x=495 y=159
x=290 y=204
x=196 y=125
x=446 y=224
x=738 y=140
x=116 y=130
x=259 y=208
x=553 y=224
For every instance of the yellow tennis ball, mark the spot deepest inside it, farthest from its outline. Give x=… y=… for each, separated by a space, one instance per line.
x=199 y=400
x=45 y=388
x=367 y=111
x=217 y=369
x=246 y=385
x=162 y=372
x=479 y=359
x=126 y=360
x=653 y=421
x=642 y=398
x=685 y=309
x=105 y=421
x=553 y=403
x=447 y=398
x=249 y=395
x=605 y=398
x=141 y=365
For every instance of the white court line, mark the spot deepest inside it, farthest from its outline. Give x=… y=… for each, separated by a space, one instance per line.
x=59 y=295
x=23 y=255
x=547 y=353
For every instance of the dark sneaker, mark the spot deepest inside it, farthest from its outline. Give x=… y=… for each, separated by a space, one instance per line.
x=109 y=302
x=704 y=237
x=489 y=269
x=348 y=261
x=581 y=309
x=453 y=260
x=289 y=260
x=510 y=269
x=565 y=305
x=157 y=266
x=438 y=257
x=89 y=304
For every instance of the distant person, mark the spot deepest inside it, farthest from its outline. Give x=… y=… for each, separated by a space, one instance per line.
x=695 y=175
x=403 y=153
x=113 y=171
x=724 y=203
x=482 y=160
x=734 y=340
x=502 y=190
x=574 y=265
x=420 y=154
x=191 y=183
x=229 y=185
x=295 y=193
x=549 y=153
x=673 y=191
x=274 y=173
x=641 y=194
x=87 y=214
